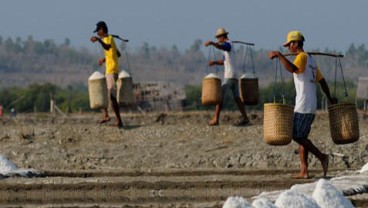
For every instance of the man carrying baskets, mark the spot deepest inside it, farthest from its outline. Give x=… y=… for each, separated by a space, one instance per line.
x=230 y=81
x=112 y=70
x=306 y=74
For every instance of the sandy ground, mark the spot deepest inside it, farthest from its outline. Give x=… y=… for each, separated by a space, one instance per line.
x=201 y=165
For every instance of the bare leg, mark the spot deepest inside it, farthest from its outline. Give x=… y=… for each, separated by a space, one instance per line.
x=303 y=173
x=242 y=110
x=115 y=106
x=308 y=146
x=105 y=116
x=215 y=119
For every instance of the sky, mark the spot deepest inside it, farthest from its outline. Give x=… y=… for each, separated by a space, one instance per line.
x=333 y=24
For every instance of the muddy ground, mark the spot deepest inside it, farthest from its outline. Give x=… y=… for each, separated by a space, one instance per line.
x=173 y=160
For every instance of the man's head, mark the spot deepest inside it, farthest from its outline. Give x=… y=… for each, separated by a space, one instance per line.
x=221 y=34
x=294 y=36
x=101 y=25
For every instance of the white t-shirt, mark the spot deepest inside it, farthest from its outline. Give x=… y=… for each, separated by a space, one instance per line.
x=229 y=61
x=305 y=81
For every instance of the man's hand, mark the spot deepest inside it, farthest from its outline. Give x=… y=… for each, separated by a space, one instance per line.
x=273 y=54
x=211 y=63
x=101 y=61
x=94 y=39
x=208 y=43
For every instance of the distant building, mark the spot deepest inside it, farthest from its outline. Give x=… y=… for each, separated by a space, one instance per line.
x=159 y=96
x=362 y=90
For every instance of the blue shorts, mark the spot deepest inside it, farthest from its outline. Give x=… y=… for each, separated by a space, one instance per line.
x=230 y=84
x=302 y=125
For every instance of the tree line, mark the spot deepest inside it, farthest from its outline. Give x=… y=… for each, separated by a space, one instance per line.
x=61 y=70
x=36 y=97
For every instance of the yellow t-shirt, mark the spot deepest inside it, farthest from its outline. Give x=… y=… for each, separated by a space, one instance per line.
x=301 y=61
x=111 y=56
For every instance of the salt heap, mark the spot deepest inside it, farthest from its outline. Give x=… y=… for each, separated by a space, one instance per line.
x=236 y=202
x=328 y=196
x=295 y=199
x=8 y=169
x=263 y=203
x=248 y=76
x=96 y=75
x=124 y=74
x=212 y=75
x=364 y=168
x=6 y=165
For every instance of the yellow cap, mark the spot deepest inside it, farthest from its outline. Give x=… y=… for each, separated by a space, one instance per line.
x=293 y=36
x=221 y=31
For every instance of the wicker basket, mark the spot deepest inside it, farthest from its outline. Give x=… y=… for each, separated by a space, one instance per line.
x=344 y=125
x=125 y=95
x=278 y=123
x=97 y=91
x=249 y=90
x=211 y=91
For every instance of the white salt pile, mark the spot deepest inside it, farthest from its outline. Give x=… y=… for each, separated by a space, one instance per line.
x=6 y=165
x=8 y=169
x=364 y=168
x=328 y=196
x=96 y=75
x=236 y=202
x=295 y=199
x=263 y=203
x=248 y=76
x=124 y=74
x=212 y=75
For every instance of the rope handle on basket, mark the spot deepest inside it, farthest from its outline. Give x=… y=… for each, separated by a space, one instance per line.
x=251 y=59
x=343 y=77
x=212 y=49
x=248 y=47
x=278 y=67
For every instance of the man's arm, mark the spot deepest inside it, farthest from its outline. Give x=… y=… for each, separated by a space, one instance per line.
x=326 y=90
x=287 y=64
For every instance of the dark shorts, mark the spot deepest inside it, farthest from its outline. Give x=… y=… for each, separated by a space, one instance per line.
x=302 y=125
x=230 y=84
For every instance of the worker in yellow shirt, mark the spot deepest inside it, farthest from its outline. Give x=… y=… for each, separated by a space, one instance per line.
x=306 y=76
x=112 y=70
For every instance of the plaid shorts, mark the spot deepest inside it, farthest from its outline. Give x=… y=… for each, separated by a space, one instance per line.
x=302 y=125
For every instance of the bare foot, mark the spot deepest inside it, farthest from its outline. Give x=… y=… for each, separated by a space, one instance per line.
x=301 y=176
x=243 y=122
x=119 y=125
x=213 y=122
x=104 y=120
x=325 y=165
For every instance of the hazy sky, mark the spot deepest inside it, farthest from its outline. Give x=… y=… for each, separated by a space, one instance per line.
x=325 y=23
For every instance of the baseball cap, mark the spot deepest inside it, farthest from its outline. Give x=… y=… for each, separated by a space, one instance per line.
x=293 y=36
x=99 y=25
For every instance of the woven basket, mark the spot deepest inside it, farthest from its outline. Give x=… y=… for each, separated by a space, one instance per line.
x=97 y=91
x=211 y=91
x=125 y=95
x=344 y=125
x=249 y=90
x=278 y=123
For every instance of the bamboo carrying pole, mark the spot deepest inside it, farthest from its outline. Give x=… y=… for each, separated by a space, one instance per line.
x=318 y=54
